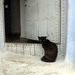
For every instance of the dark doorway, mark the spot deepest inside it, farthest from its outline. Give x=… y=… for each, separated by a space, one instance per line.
x=7 y=14
x=12 y=22
x=12 y=19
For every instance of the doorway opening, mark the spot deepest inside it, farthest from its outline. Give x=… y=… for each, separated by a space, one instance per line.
x=25 y=20
x=12 y=22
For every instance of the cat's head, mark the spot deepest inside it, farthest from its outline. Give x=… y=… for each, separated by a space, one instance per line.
x=41 y=39
x=46 y=43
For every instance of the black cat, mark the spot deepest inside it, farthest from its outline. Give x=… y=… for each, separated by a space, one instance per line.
x=50 y=48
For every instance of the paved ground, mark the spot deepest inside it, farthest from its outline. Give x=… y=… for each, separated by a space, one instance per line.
x=16 y=64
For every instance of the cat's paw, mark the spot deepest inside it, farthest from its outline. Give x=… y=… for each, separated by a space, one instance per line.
x=43 y=58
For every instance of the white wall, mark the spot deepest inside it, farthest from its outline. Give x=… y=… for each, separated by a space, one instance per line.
x=0 y=21
x=28 y=46
x=22 y=19
x=70 y=53
x=0 y=37
x=40 y=18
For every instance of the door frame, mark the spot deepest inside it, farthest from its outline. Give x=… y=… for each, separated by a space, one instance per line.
x=34 y=49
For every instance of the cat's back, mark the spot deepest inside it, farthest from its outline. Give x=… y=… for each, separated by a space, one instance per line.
x=53 y=45
x=49 y=45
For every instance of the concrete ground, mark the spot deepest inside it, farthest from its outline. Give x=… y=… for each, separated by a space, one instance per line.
x=17 y=64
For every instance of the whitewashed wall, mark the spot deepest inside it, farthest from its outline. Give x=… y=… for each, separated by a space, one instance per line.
x=34 y=49
x=0 y=22
x=0 y=37
x=0 y=32
x=22 y=18
x=41 y=18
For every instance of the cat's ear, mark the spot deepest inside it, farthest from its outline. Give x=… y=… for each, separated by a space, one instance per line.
x=45 y=37
x=39 y=38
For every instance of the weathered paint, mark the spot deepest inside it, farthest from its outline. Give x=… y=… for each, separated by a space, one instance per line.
x=0 y=37
x=34 y=49
x=70 y=50
x=0 y=21
x=40 y=18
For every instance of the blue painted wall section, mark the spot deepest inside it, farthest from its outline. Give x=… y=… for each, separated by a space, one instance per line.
x=70 y=50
